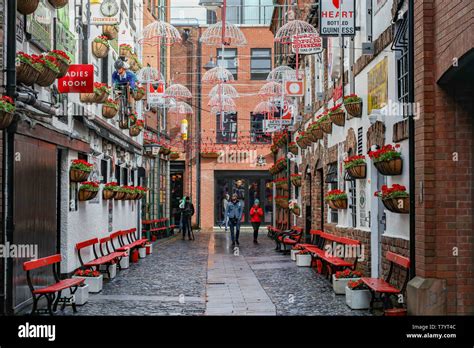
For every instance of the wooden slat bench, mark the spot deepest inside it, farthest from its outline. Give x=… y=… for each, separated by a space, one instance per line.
x=289 y=239
x=52 y=292
x=383 y=286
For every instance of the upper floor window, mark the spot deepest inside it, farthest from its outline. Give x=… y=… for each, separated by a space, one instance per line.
x=230 y=60
x=257 y=135
x=249 y=12
x=260 y=63
x=226 y=131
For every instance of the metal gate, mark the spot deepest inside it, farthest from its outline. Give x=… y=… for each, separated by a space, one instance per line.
x=35 y=171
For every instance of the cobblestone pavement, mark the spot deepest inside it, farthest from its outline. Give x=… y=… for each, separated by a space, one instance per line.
x=208 y=277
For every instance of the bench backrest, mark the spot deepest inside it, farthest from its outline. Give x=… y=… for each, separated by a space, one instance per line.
x=400 y=260
x=340 y=240
x=38 y=263
x=86 y=243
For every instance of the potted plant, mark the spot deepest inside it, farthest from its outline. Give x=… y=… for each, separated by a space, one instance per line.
x=79 y=170
x=125 y=50
x=293 y=148
x=325 y=123
x=27 y=7
x=337 y=115
x=388 y=160
x=139 y=94
x=395 y=198
x=316 y=130
x=129 y=192
x=295 y=250
x=109 y=190
x=356 y=167
x=142 y=252
x=336 y=199
x=174 y=155
x=110 y=108
x=100 y=46
x=149 y=248
x=281 y=183
x=282 y=201
x=165 y=150
x=99 y=95
x=7 y=111
x=92 y=278
x=63 y=61
x=296 y=179
x=141 y=191
x=132 y=118
x=137 y=128
x=49 y=72
x=88 y=191
x=341 y=278
x=81 y=295
x=111 y=31
x=112 y=270
x=119 y=193
x=295 y=208
x=303 y=259
x=310 y=136
x=58 y=3
x=357 y=295
x=301 y=141
x=28 y=69
x=353 y=105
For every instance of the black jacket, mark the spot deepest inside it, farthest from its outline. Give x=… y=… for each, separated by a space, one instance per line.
x=188 y=209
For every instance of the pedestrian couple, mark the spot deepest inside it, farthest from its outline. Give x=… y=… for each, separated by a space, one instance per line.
x=233 y=214
x=187 y=211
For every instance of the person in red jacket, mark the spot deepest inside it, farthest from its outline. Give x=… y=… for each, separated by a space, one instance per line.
x=256 y=214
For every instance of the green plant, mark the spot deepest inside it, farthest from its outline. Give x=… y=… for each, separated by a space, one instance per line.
x=386 y=153
x=354 y=161
x=7 y=104
x=396 y=191
x=60 y=55
x=51 y=63
x=334 y=195
x=103 y=40
x=111 y=186
x=89 y=186
x=81 y=165
x=352 y=98
x=347 y=273
x=112 y=103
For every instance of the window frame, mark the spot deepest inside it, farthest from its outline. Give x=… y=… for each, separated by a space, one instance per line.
x=219 y=137
x=255 y=133
x=252 y=58
x=219 y=59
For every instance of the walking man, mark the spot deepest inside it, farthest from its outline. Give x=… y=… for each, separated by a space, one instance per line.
x=234 y=214
x=186 y=213
x=256 y=214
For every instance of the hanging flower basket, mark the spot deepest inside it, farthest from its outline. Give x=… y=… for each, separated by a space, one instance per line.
x=356 y=167
x=336 y=199
x=99 y=96
x=395 y=198
x=80 y=170
x=139 y=94
x=123 y=124
x=210 y=154
x=296 y=180
x=27 y=7
x=100 y=46
x=88 y=191
x=111 y=31
x=337 y=116
x=27 y=69
x=310 y=136
x=165 y=150
x=281 y=183
x=136 y=129
x=125 y=50
x=294 y=207
x=140 y=191
x=119 y=195
x=174 y=155
x=387 y=160
x=7 y=111
x=46 y=77
x=326 y=126
x=317 y=131
x=353 y=105
x=63 y=61
x=301 y=141
x=110 y=108
x=109 y=190
x=282 y=201
x=293 y=148
x=49 y=71
x=58 y=3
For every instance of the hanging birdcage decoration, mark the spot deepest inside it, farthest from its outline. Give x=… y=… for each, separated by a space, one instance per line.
x=232 y=35
x=218 y=75
x=224 y=89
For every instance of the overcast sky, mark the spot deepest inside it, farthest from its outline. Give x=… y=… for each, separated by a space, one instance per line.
x=184 y=10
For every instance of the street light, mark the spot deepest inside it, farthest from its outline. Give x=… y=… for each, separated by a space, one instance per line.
x=210 y=64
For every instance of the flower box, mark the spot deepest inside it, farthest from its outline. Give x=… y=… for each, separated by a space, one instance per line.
x=112 y=270
x=134 y=131
x=326 y=126
x=46 y=77
x=341 y=278
x=357 y=299
x=27 y=7
x=338 y=204
x=76 y=175
x=387 y=160
x=7 y=111
x=337 y=116
x=119 y=195
x=86 y=195
x=81 y=296
x=303 y=260
x=28 y=68
x=317 y=132
x=391 y=167
x=142 y=252
x=95 y=283
x=293 y=253
x=63 y=61
x=109 y=111
x=336 y=199
x=125 y=261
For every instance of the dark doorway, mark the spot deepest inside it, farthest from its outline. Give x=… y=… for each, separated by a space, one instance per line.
x=177 y=192
x=309 y=208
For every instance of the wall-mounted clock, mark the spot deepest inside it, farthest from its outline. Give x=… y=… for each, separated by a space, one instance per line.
x=109 y=8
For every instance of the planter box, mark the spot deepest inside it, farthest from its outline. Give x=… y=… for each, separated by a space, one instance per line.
x=95 y=283
x=81 y=295
x=303 y=260
x=293 y=254
x=112 y=270
x=339 y=285
x=149 y=249
x=357 y=299
x=125 y=262
x=142 y=252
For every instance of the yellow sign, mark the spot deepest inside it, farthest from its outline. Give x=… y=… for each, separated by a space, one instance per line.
x=377 y=86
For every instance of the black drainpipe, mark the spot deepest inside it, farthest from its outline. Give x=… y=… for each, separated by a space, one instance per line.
x=411 y=131
x=7 y=185
x=198 y=133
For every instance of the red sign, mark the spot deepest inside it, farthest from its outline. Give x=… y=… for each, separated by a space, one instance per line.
x=309 y=43
x=79 y=79
x=294 y=88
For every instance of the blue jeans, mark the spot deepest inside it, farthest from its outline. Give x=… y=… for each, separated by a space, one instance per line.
x=233 y=225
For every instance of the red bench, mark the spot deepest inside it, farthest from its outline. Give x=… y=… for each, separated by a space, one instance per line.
x=50 y=291
x=104 y=259
x=272 y=230
x=127 y=240
x=384 y=287
x=289 y=238
x=329 y=262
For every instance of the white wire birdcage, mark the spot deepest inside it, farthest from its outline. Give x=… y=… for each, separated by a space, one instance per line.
x=224 y=89
x=265 y=107
x=283 y=72
x=271 y=89
x=177 y=91
x=181 y=108
x=233 y=36
x=159 y=33
x=217 y=75
x=149 y=74
x=285 y=34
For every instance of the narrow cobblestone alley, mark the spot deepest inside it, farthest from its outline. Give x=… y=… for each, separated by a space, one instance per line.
x=205 y=277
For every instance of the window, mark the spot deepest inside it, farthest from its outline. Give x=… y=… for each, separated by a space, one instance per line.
x=249 y=12
x=226 y=131
x=131 y=19
x=230 y=60
x=124 y=176
x=117 y=174
x=103 y=170
x=257 y=135
x=211 y=17
x=261 y=63
x=331 y=179
x=352 y=202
